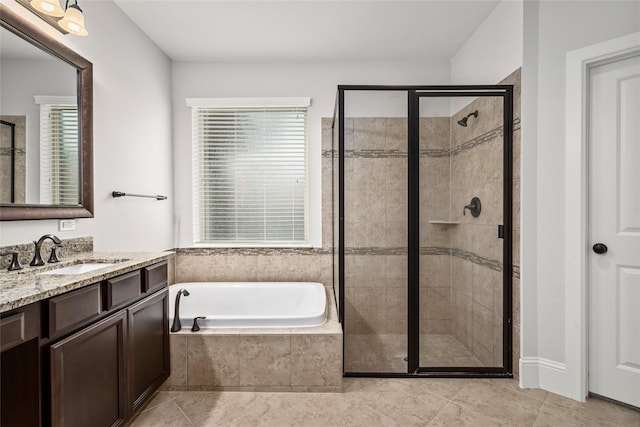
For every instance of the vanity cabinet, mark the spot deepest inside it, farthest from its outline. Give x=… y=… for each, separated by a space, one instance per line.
x=88 y=373
x=88 y=357
x=148 y=348
x=20 y=367
x=103 y=373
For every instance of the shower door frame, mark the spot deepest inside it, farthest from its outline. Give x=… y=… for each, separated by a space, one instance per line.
x=414 y=93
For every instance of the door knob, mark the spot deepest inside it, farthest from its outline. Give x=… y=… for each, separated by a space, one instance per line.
x=600 y=248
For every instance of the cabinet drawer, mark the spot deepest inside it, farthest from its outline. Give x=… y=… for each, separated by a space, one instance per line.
x=123 y=289
x=155 y=277
x=74 y=309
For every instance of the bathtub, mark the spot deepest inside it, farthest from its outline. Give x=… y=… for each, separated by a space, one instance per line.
x=250 y=304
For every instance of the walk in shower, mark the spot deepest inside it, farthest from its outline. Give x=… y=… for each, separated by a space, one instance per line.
x=423 y=195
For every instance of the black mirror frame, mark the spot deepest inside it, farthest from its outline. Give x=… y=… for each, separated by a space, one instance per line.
x=17 y=25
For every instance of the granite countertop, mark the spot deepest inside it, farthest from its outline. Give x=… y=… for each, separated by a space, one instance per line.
x=19 y=288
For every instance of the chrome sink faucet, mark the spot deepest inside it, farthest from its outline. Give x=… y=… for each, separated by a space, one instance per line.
x=37 y=257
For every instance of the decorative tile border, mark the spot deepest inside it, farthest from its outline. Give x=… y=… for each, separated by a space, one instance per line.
x=428 y=152
x=252 y=251
x=7 y=151
x=477 y=259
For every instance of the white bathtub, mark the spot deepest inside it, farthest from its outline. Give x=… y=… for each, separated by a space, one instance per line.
x=250 y=304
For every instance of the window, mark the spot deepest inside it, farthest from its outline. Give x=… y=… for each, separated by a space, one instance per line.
x=59 y=150
x=250 y=170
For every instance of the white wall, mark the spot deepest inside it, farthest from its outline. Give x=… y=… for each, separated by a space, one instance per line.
x=551 y=29
x=492 y=52
x=317 y=80
x=132 y=135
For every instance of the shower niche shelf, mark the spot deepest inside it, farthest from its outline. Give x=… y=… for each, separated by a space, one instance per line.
x=443 y=222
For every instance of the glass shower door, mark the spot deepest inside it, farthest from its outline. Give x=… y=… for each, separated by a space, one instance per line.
x=375 y=231
x=461 y=199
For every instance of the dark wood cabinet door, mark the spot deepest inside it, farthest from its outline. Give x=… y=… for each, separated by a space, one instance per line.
x=148 y=347
x=88 y=374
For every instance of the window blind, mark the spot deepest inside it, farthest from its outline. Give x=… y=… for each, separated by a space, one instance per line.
x=59 y=151
x=250 y=174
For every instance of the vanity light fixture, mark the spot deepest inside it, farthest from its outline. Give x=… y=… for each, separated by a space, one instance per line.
x=73 y=20
x=48 y=7
x=69 y=19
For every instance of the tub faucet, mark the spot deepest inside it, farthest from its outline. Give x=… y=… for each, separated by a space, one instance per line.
x=176 y=326
x=37 y=257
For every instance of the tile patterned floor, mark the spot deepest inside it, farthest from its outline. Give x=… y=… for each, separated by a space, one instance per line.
x=386 y=402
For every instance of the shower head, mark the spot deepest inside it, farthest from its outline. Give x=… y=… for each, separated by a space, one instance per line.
x=463 y=121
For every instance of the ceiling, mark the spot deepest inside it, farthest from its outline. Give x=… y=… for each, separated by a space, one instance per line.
x=307 y=30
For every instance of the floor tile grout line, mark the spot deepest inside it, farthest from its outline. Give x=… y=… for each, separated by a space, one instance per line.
x=445 y=406
x=183 y=413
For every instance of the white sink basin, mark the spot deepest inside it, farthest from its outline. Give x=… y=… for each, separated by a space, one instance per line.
x=78 y=268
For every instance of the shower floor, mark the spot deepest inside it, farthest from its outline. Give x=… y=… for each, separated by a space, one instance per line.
x=388 y=352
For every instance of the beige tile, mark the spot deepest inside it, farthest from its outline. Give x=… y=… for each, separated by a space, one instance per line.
x=435 y=271
x=369 y=133
x=395 y=234
x=178 y=355
x=396 y=266
x=435 y=303
x=434 y=235
x=166 y=414
x=219 y=408
x=492 y=402
x=484 y=283
x=316 y=360
x=215 y=268
x=482 y=328
x=462 y=276
x=434 y=132
x=396 y=133
x=265 y=361
x=213 y=360
x=396 y=175
x=596 y=412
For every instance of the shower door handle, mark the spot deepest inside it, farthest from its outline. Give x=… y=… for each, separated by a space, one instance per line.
x=600 y=248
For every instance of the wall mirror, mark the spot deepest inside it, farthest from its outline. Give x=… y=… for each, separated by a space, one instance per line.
x=46 y=125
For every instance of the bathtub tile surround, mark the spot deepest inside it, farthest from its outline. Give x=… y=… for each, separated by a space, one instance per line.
x=278 y=359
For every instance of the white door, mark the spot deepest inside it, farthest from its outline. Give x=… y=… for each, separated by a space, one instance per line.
x=614 y=210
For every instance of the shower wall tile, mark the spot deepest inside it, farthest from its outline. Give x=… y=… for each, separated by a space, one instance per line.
x=482 y=329
x=497 y=340
x=396 y=266
x=436 y=303
x=435 y=235
x=435 y=271
x=369 y=134
x=396 y=170
x=362 y=268
x=484 y=283
x=395 y=133
x=462 y=276
x=481 y=353
x=436 y=327
x=434 y=133
x=368 y=234
x=396 y=234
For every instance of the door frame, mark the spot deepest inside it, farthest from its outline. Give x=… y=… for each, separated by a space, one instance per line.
x=576 y=217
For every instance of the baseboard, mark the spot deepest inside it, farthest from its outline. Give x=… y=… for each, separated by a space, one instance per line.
x=538 y=372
